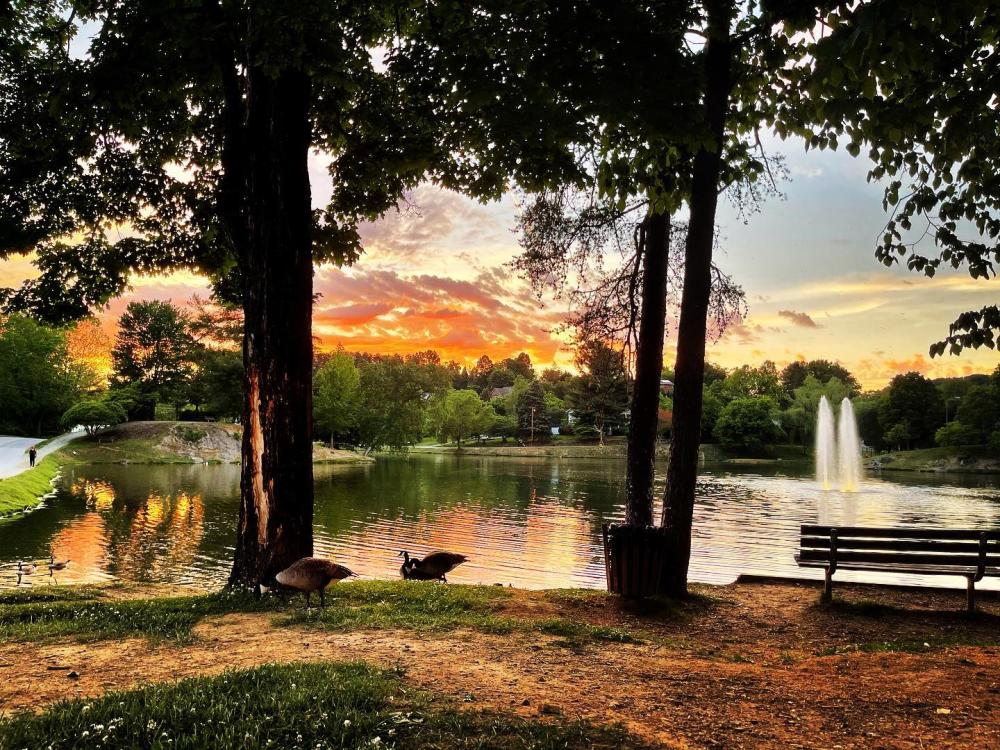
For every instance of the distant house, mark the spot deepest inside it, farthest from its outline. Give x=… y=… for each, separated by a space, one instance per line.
x=667 y=387
x=501 y=392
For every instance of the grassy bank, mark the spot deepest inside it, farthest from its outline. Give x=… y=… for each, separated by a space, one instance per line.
x=419 y=607
x=293 y=705
x=965 y=459
x=616 y=448
x=176 y=443
x=23 y=491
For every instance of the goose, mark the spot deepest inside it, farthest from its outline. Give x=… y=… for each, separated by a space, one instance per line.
x=60 y=565
x=27 y=570
x=434 y=566
x=312 y=574
x=409 y=569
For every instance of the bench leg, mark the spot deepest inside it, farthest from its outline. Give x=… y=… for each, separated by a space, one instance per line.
x=828 y=586
x=971 y=594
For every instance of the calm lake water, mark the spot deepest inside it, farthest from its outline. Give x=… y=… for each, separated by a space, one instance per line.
x=534 y=523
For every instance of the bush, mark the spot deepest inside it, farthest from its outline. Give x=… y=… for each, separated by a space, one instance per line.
x=93 y=415
x=956 y=433
x=748 y=422
x=191 y=434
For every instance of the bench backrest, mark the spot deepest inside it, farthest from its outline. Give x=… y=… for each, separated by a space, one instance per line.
x=934 y=548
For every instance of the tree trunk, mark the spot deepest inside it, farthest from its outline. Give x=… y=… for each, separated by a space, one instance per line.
x=645 y=408
x=276 y=507
x=682 y=471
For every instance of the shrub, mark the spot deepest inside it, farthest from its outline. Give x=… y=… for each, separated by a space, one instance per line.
x=956 y=433
x=748 y=422
x=93 y=415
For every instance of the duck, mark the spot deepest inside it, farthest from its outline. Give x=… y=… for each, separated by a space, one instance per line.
x=54 y=565
x=313 y=574
x=433 y=567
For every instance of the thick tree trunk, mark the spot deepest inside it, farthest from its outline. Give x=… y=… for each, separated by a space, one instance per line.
x=276 y=508
x=682 y=472
x=644 y=411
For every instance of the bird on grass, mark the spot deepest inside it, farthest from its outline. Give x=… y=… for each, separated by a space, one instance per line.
x=433 y=567
x=57 y=565
x=312 y=574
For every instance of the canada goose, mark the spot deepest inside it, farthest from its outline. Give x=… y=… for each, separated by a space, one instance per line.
x=434 y=565
x=409 y=569
x=53 y=565
x=312 y=574
x=27 y=570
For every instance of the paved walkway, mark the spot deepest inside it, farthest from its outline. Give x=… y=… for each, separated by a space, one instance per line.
x=14 y=451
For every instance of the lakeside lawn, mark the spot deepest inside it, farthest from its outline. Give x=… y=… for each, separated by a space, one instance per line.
x=23 y=491
x=753 y=664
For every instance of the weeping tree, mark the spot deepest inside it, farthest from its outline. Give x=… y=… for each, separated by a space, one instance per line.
x=181 y=140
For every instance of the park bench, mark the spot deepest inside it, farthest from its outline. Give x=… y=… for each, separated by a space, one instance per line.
x=973 y=553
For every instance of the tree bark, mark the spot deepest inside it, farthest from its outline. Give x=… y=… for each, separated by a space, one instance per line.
x=276 y=505
x=645 y=407
x=682 y=471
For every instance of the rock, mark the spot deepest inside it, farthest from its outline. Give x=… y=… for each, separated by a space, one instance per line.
x=547 y=709
x=526 y=702
x=74 y=675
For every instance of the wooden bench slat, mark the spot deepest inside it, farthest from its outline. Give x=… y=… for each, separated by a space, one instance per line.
x=898 y=568
x=899 y=545
x=898 y=533
x=844 y=556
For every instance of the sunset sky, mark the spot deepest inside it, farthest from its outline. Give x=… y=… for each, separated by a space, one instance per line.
x=435 y=276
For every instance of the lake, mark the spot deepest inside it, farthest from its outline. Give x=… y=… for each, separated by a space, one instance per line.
x=533 y=523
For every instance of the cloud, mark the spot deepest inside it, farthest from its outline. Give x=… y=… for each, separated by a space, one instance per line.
x=798 y=318
x=916 y=363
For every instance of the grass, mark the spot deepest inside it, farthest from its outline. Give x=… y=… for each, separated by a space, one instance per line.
x=90 y=614
x=423 y=607
x=22 y=491
x=929 y=459
x=292 y=706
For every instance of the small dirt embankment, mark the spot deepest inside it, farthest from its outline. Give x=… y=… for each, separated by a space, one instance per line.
x=176 y=442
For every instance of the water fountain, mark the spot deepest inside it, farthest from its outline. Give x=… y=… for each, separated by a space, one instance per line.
x=849 y=445
x=826 y=454
x=838 y=448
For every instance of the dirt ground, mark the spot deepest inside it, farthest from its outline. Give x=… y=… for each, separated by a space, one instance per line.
x=758 y=664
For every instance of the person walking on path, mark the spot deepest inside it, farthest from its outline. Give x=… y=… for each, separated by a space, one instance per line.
x=32 y=455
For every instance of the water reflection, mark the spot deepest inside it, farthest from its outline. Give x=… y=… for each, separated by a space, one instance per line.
x=529 y=522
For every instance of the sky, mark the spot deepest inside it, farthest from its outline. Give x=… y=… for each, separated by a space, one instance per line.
x=435 y=275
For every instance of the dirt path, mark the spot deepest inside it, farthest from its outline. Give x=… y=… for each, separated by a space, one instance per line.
x=748 y=671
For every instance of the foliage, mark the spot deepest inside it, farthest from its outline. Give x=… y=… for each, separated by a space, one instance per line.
x=748 y=422
x=532 y=422
x=800 y=417
x=93 y=415
x=38 y=378
x=956 y=433
x=866 y=411
x=216 y=385
x=979 y=409
x=899 y=435
x=918 y=92
x=600 y=395
x=753 y=382
x=459 y=414
x=152 y=350
x=335 y=396
x=913 y=404
x=795 y=373
x=390 y=403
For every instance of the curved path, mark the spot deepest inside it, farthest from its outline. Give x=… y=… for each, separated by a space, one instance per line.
x=14 y=451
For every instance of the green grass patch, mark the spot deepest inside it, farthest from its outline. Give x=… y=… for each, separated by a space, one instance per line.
x=22 y=491
x=425 y=606
x=91 y=615
x=910 y=645
x=100 y=449
x=292 y=706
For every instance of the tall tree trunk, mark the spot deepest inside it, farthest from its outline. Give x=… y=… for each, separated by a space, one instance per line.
x=644 y=411
x=682 y=472
x=276 y=506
